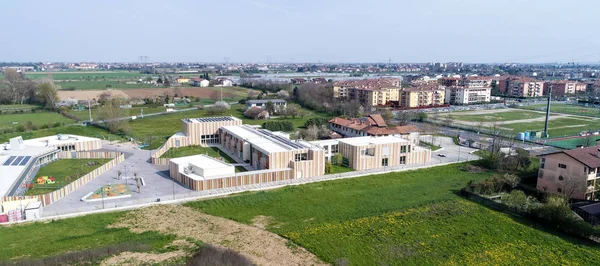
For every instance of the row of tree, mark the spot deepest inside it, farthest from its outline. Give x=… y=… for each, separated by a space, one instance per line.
x=18 y=89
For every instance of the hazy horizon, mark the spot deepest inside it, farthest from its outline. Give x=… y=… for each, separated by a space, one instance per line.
x=301 y=31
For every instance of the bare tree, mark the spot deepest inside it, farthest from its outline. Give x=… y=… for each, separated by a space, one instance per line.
x=572 y=186
x=17 y=88
x=46 y=95
x=403 y=117
x=113 y=116
x=588 y=141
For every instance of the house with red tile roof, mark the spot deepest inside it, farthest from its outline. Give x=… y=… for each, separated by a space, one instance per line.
x=372 y=125
x=574 y=173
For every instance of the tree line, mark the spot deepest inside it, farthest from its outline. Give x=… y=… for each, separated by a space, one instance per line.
x=15 y=88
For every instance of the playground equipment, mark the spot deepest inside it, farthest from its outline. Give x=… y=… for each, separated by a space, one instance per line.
x=45 y=180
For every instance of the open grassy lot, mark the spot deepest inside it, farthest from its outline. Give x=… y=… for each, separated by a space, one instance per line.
x=37 y=119
x=39 y=240
x=9 y=108
x=337 y=169
x=412 y=218
x=133 y=111
x=566 y=109
x=557 y=127
x=73 y=129
x=195 y=150
x=87 y=75
x=64 y=171
x=494 y=117
x=163 y=126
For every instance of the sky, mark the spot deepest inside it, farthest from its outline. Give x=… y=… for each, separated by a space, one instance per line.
x=471 y=31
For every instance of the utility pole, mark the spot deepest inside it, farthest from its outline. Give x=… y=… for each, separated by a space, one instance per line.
x=90 y=110
x=548 y=110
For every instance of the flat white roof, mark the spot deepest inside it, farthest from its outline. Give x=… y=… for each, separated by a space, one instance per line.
x=362 y=141
x=204 y=162
x=211 y=119
x=54 y=140
x=258 y=139
x=16 y=161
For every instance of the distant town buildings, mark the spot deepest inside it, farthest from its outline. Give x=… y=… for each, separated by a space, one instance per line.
x=564 y=87
x=521 y=87
x=370 y=92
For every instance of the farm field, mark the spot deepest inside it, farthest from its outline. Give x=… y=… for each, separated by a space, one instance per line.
x=64 y=171
x=495 y=117
x=39 y=240
x=566 y=109
x=195 y=150
x=133 y=111
x=556 y=127
x=100 y=85
x=412 y=218
x=37 y=119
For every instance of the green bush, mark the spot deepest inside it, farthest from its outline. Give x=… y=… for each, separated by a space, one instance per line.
x=328 y=167
x=337 y=159
x=317 y=121
x=278 y=125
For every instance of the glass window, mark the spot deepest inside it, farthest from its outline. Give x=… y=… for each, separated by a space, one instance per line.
x=543 y=163
x=403 y=149
x=563 y=166
x=384 y=162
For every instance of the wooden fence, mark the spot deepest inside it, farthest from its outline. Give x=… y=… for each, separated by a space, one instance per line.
x=54 y=196
x=171 y=143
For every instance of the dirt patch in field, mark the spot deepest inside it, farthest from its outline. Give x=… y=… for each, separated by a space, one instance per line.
x=212 y=93
x=141 y=258
x=89 y=94
x=261 y=221
x=260 y=246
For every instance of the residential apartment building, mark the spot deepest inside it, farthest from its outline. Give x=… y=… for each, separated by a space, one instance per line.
x=373 y=125
x=459 y=95
x=564 y=87
x=521 y=87
x=371 y=92
x=574 y=173
x=423 y=96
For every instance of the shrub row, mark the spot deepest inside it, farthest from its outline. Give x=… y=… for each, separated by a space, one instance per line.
x=278 y=125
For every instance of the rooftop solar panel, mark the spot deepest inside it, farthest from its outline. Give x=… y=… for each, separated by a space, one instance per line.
x=18 y=160
x=25 y=160
x=10 y=159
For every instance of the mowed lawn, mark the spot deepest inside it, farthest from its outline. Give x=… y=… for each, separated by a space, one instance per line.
x=493 y=117
x=64 y=171
x=195 y=150
x=42 y=239
x=557 y=127
x=566 y=109
x=37 y=119
x=412 y=218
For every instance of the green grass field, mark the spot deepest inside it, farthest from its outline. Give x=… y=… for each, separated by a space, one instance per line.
x=412 y=218
x=492 y=117
x=37 y=119
x=338 y=169
x=566 y=109
x=100 y=85
x=571 y=143
x=8 y=108
x=163 y=126
x=64 y=171
x=556 y=127
x=74 y=129
x=39 y=240
x=195 y=150
x=133 y=111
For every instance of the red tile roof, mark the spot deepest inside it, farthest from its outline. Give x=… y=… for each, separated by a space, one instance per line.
x=373 y=125
x=588 y=156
